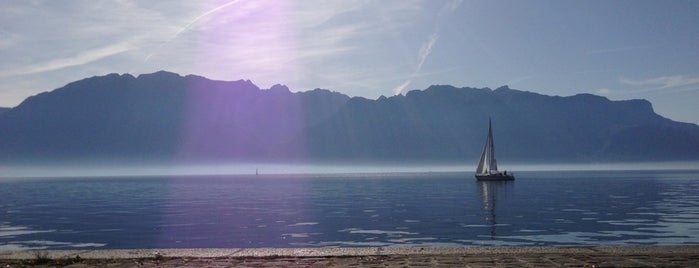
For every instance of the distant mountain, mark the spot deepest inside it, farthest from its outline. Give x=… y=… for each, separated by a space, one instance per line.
x=444 y=122
x=162 y=115
x=166 y=116
x=3 y=109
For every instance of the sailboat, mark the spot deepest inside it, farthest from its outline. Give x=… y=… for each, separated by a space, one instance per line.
x=488 y=167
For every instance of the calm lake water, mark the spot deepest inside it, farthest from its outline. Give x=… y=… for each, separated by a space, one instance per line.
x=445 y=209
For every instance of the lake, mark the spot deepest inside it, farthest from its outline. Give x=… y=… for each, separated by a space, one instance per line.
x=351 y=210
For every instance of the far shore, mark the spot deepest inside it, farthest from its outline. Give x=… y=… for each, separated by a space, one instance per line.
x=118 y=169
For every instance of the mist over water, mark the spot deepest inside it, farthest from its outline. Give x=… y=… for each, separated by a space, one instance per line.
x=330 y=210
x=124 y=168
x=158 y=169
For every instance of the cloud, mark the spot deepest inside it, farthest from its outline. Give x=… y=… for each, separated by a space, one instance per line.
x=190 y=23
x=257 y=40
x=618 y=49
x=519 y=79
x=7 y=39
x=78 y=34
x=399 y=89
x=426 y=48
x=603 y=91
x=74 y=60
x=423 y=53
x=359 y=46
x=663 y=82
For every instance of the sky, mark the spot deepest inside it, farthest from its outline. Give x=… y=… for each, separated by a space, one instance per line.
x=618 y=49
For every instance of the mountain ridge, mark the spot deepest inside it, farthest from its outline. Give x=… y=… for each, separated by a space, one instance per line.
x=163 y=115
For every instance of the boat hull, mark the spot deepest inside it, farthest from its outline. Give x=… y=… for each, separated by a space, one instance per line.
x=495 y=177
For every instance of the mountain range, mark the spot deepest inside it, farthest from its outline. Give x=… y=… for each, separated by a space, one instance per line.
x=165 y=116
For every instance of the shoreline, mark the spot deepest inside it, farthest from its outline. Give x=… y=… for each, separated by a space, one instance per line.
x=534 y=256
x=88 y=170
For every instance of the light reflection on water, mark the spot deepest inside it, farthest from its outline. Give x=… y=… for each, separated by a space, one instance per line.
x=539 y=208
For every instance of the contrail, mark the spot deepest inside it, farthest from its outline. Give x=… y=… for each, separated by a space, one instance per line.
x=186 y=27
x=426 y=48
x=424 y=52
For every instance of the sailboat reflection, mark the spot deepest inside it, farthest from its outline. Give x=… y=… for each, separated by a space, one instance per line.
x=489 y=198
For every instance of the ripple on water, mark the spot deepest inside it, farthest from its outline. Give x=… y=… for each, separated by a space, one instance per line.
x=13 y=231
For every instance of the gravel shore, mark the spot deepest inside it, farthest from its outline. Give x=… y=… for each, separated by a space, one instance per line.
x=574 y=256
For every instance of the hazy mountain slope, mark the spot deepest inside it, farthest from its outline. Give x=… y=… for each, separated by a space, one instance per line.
x=444 y=122
x=167 y=116
x=161 y=115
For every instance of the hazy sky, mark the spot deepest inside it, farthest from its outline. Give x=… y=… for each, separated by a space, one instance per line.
x=619 y=49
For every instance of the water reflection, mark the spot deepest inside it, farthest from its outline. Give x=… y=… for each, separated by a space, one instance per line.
x=539 y=209
x=490 y=193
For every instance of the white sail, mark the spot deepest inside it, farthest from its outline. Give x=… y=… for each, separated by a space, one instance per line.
x=482 y=165
x=492 y=163
x=487 y=163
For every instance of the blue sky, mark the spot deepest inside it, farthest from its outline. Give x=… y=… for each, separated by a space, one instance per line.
x=618 y=49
